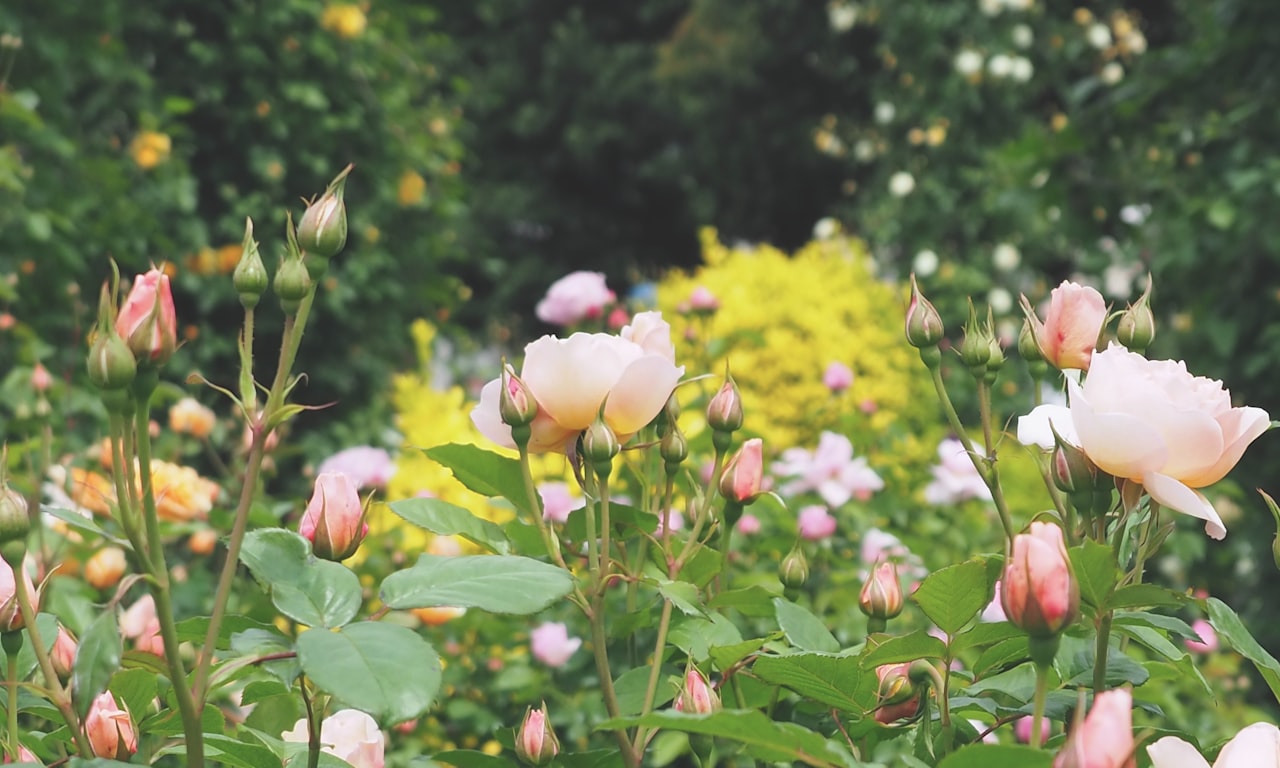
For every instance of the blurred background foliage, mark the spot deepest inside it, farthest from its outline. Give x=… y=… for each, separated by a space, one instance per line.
x=995 y=147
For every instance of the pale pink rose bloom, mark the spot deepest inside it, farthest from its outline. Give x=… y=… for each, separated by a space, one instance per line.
x=1105 y=738
x=837 y=377
x=575 y=297
x=748 y=524
x=1070 y=330
x=149 y=294
x=550 y=644
x=674 y=518
x=368 y=467
x=651 y=333
x=815 y=523
x=831 y=471
x=110 y=729
x=63 y=653
x=570 y=378
x=1257 y=746
x=557 y=502
x=878 y=545
x=1022 y=729
x=955 y=479
x=1154 y=423
x=1208 y=642
x=347 y=734
x=141 y=625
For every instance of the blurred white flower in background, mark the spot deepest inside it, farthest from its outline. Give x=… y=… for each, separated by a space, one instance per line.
x=901 y=184
x=1022 y=36
x=1000 y=66
x=968 y=62
x=1135 y=215
x=885 y=112
x=842 y=16
x=1099 y=36
x=1006 y=257
x=925 y=263
x=1021 y=69
x=1112 y=73
x=1000 y=300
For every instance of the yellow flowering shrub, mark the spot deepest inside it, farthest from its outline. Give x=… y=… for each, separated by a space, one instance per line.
x=782 y=319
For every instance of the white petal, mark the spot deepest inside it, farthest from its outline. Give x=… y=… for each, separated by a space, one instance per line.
x=1172 y=752
x=1175 y=495
x=1034 y=428
x=1257 y=746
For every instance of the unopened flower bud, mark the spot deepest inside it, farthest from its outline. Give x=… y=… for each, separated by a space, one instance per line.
x=1039 y=591
x=516 y=405
x=674 y=448
x=794 y=570
x=697 y=697
x=15 y=523
x=975 y=350
x=1137 y=326
x=881 y=595
x=1028 y=347
x=110 y=729
x=322 y=230
x=292 y=284
x=334 y=522
x=924 y=324
x=63 y=653
x=110 y=363
x=996 y=361
x=743 y=477
x=1072 y=470
x=40 y=378
x=536 y=742
x=250 y=277
x=898 y=695
x=148 y=320
x=600 y=445
x=724 y=412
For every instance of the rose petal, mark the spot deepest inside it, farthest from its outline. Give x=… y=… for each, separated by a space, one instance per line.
x=571 y=377
x=1172 y=752
x=1257 y=746
x=1175 y=495
x=1118 y=443
x=487 y=417
x=640 y=393
x=1034 y=428
x=1194 y=440
x=1240 y=427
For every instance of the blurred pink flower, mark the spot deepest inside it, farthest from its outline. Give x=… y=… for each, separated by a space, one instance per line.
x=557 y=502
x=550 y=644
x=368 y=467
x=995 y=609
x=815 y=523
x=837 y=377
x=748 y=524
x=1022 y=729
x=674 y=518
x=703 y=300
x=575 y=297
x=831 y=471
x=141 y=625
x=955 y=479
x=1206 y=632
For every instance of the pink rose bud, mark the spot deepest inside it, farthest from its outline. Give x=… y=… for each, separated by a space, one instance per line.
x=1069 y=333
x=837 y=377
x=898 y=695
x=924 y=324
x=536 y=742
x=697 y=697
x=550 y=644
x=881 y=595
x=1040 y=593
x=618 y=318
x=40 y=378
x=743 y=476
x=148 y=320
x=1105 y=738
x=10 y=611
x=63 y=653
x=24 y=756
x=1208 y=642
x=815 y=523
x=334 y=521
x=110 y=729
x=724 y=412
x=703 y=300
x=516 y=405
x=1022 y=729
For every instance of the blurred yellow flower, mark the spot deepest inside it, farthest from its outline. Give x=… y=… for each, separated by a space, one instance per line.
x=412 y=188
x=189 y=417
x=149 y=148
x=181 y=493
x=346 y=19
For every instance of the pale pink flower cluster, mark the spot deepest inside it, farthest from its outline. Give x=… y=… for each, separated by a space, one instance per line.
x=815 y=523
x=368 y=467
x=955 y=479
x=575 y=297
x=831 y=471
x=550 y=644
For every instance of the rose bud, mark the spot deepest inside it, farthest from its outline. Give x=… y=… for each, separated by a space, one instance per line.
x=743 y=476
x=1040 y=594
x=536 y=742
x=697 y=697
x=148 y=320
x=1070 y=330
x=110 y=729
x=334 y=522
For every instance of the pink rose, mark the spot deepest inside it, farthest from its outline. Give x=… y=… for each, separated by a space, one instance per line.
x=570 y=378
x=575 y=297
x=1208 y=642
x=110 y=729
x=703 y=300
x=550 y=644
x=1022 y=729
x=1040 y=594
x=557 y=502
x=1253 y=747
x=1105 y=738
x=743 y=477
x=1152 y=422
x=368 y=467
x=348 y=734
x=651 y=333
x=748 y=524
x=815 y=523
x=837 y=377
x=1070 y=330
x=148 y=320
x=334 y=520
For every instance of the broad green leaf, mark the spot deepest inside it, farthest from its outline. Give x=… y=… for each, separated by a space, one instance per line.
x=764 y=738
x=1168 y=624
x=97 y=659
x=1018 y=684
x=802 y=628
x=1009 y=651
x=230 y=751
x=620 y=516
x=834 y=681
x=683 y=596
x=952 y=596
x=1095 y=568
x=487 y=473
x=754 y=601
x=194 y=629
x=445 y=519
x=630 y=688
x=1147 y=595
x=135 y=688
x=1231 y=629
x=997 y=756
x=916 y=645
x=696 y=635
x=725 y=656
x=496 y=583
x=383 y=669
x=326 y=595
x=76 y=520
x=274 y=555
x=983 y=633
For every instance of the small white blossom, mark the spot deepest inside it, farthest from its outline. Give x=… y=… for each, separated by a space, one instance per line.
x=1136 y=42
x=1112 y=73
x=1000 y=65
x=864 y=150
x=842 y=16
x=1018 y=5
x=1022 y=36
x=925 y=263
x=1135 y=215
x=1006 y=257
x=901 y=184
x=991 y=7
x=1000 y=300
x=885 y=112
x=1022 y=70
x=826 y=228
x=1099 y=36
x=968 y=62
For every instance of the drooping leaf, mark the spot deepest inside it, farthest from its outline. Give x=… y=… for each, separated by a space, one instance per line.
x=832 y=680
x=445 y=519
x=1230 y=628
x=487 y=473
x=496 y=583
x=97 y=659
x=383 y=669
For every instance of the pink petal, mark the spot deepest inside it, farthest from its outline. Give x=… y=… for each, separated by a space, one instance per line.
x=1175 y=495
x=1172 y=752
x=1240 y=427
x=1119 y=444
x=640 y=393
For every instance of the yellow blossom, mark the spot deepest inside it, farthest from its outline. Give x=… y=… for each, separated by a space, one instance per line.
x=189 y=417
x=181 y=493
x=150 y=148
x=346 y=19
x=411 y=189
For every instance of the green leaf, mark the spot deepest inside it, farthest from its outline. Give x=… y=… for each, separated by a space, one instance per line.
x=326 y=595
x=682 y=595
x=445 y=519
x=383 y=669
x=983 y=633
x=725 y=656
x=802 y=628
x=238 y=753
x=1147 y=595
x=1019 y=684
x=47 y=623
x=916 y=645
x=1008 y=651
x=754 y=601
x=135 y=688
x=274 y=555
x=97 y=659
x=834 y=681
x=952 y=596
x=486 y=473
x=631 y=686
x=194 y=629
x=620 y=516
x=696 y=635
x=496 y=583
x=997 y=756
x=1095 y=569
x=1230 y=628
x=97 y=762
x=764 y=738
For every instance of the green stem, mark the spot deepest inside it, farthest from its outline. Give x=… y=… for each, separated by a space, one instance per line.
x=549 y=538
x=160 y=588
x=313 y=729
x=1037 y=712
x=600 y=650
x=655 y=669
x=12 y=679
x=57 y=694
x=125 y=511
x=992 y=475
x=1100 y=654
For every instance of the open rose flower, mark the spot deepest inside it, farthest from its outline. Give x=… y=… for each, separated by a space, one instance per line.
x=1154 y=423
x=1253 y=747
x=575 y=297
x=348 y=734
x=570 y=379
